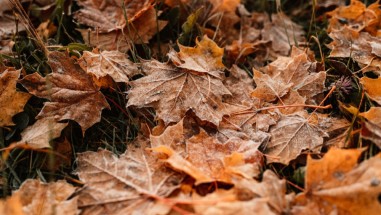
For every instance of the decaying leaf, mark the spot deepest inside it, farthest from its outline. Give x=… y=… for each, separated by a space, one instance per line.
x=114 y=30
x=360 y=46
x=372 y=88
x=112 y=63
x=71 y=92
x=290 y=136
x=272 y=189
x=35 y=197
x=172 y=91
x=357 y=17
x=124 y=184
x=11 y=101
x=41 y=133
x=337 y=185
x=299 y=72
x=209 y=160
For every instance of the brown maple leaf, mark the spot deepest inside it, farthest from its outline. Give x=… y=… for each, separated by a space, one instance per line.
x=290 y=136
x=207 y=160
x=11 y=101
x=299 y=72
x=336 y=184
x=114 y=30
x=36 y=197
x=112 y=63
x=71 y=92
x=360 y=46
x=41 y=133
x=124 y=184
x=172 y=91
x=357 y=16
x=372 y=88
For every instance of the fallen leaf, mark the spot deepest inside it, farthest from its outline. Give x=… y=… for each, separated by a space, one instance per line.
x=271 y=188
x=269 y=89
x=356 y=16
x=72 y=93
x=223 y=202
x=172 y=91
x=337 y=185
x=361 y=47
x=290 y=136
x=373 y=115
x=11 y=101
x=11 y=206
x=372 y=89
x=36 y=197
x=108 y=15
x=208 y=160
x=124 y=184
x=112 y=63
x=41 y=133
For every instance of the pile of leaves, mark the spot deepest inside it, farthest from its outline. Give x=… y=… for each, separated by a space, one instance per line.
x=190 y=107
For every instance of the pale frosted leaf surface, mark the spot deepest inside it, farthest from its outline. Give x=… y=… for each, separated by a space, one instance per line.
x=269 y=89
x=112 y=63
x=41 y=133
x=71 y=92
x=123 y=184
x=290 y=136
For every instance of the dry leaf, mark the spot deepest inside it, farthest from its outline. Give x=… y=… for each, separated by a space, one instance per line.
x=108 y=15
x=209 y=160
x=269 y=89
x=272 y=189
x=372 y=88
x=337 y=185
x=124 y=184
x=357 y=17
x=11 y=206
x=36 y=197
x=361 y=47
x=41 y=133
x=290 y=136
x=206 y=57
x=11 y=101
x=112 y=63
x=222 y=202
x=72 y=93
x=172 y=91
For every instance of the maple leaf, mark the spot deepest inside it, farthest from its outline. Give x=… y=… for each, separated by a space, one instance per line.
x=356 y=16
x=360 y=46
x=269 y=89
x=172 y=91
x=371 y=128
x=209 y=160
x=271 y=188
x=299 y=72
x=72 y=93
x=227 y=202
x=290 y=136
x=112 y=63
x=108 y=15
x=372 y=89
x=36 y=197
x=112 y=32
x=124 y=184
x=41 y=133
x=336 y=184
x=11 y=101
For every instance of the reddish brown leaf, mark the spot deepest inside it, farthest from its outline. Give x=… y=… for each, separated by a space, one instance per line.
x=290 y=136
x=36 y=197
x=123 y=185
x=41 y=133
x=372 y=88
x=172 y=91
x=72 y=93
x=112 y=63
x=11 y=101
